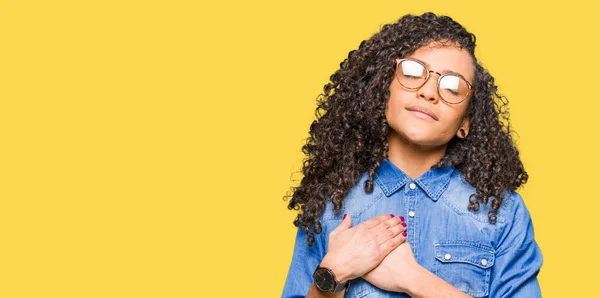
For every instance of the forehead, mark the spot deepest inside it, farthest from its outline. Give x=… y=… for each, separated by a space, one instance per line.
x=446 y=58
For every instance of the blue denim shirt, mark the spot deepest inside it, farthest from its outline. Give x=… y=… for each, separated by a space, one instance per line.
x=457 y=245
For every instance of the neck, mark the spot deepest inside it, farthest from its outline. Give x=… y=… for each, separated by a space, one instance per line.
x=413 y=159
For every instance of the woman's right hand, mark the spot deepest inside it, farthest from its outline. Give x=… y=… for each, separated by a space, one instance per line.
x=352 y=252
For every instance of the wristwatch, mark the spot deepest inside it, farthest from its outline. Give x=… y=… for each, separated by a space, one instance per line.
x=325 y=280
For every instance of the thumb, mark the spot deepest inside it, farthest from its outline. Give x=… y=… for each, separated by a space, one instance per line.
x=345 y=224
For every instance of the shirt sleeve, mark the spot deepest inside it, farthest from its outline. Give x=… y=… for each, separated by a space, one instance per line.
x=304 y=262
x=518 y=256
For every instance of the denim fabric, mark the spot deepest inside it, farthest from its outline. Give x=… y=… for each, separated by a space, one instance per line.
x=458 y=245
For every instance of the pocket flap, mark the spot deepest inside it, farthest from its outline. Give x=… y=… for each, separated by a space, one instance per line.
x=475 y=253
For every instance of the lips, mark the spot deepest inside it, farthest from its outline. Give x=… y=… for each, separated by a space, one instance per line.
x=423 y=110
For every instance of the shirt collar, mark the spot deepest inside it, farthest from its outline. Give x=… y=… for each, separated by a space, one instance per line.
x=434 y=182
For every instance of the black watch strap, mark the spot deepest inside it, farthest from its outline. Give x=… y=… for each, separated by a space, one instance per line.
x=341 y=287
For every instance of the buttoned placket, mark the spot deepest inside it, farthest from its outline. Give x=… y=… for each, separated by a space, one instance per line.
x=411 y=199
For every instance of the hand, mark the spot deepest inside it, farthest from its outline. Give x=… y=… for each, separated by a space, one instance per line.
x=352 y=252
x=396 y=271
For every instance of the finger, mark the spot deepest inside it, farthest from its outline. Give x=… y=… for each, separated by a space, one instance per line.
x=397 y=229
x=391 y=232
x=374 y=221
x=345 y=224
x=392 y=243
x=388 y=223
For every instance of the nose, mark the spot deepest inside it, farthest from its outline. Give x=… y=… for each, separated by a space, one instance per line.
x=429 y=90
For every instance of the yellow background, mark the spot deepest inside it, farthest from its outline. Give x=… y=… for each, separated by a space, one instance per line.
x=146 y=146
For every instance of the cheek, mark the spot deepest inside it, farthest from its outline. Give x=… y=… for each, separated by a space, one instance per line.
x=394 y=114
x=447 y=130
x=450 y=124
x=395 y=105
x=389 y=108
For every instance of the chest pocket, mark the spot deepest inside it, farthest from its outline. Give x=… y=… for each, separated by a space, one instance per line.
x=466 y=265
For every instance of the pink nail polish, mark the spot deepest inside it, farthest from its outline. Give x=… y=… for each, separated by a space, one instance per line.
x=401 y=218
x=404 y=234
x=392 y=215
x=344 y=216
x=404 y=224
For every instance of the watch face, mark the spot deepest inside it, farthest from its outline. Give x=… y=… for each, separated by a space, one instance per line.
x=324 y=279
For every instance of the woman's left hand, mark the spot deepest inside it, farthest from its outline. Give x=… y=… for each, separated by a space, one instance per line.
x=396 y=271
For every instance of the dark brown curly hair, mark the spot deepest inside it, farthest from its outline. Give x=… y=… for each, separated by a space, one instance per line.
x=349 y=136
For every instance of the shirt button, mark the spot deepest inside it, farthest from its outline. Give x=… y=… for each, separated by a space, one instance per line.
x=412 y=186
x=447 y=257
x=411 y=213
x=483 y=262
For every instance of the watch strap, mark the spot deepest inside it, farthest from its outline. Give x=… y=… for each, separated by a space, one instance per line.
x=341 y=286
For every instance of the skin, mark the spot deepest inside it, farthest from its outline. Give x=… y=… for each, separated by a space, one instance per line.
x=378 y=251
x=416 y=142
x=352 y=252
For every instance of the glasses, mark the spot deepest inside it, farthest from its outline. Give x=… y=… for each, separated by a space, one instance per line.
x=451 y=87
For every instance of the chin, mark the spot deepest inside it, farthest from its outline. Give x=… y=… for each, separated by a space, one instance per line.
x=423 y=141
x=419 y=137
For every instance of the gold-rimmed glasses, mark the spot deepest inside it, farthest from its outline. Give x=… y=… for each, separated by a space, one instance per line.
x=412 y=74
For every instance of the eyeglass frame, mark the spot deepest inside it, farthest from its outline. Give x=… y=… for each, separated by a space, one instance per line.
x=397 y=61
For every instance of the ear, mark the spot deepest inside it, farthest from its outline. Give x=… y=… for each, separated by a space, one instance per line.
x=463 y=129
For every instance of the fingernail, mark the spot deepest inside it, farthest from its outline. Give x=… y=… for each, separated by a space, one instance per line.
x=404 y=224
x=404 y=234
x=392 y=215
x=344 y=216
x=401 y=218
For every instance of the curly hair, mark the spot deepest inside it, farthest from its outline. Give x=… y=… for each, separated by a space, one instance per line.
x=349 y=136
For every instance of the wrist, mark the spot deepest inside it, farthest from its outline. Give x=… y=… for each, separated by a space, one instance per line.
x=414 y=285
x=339 y=269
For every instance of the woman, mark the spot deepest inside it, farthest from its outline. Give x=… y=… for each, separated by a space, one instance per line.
x=411 y=124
